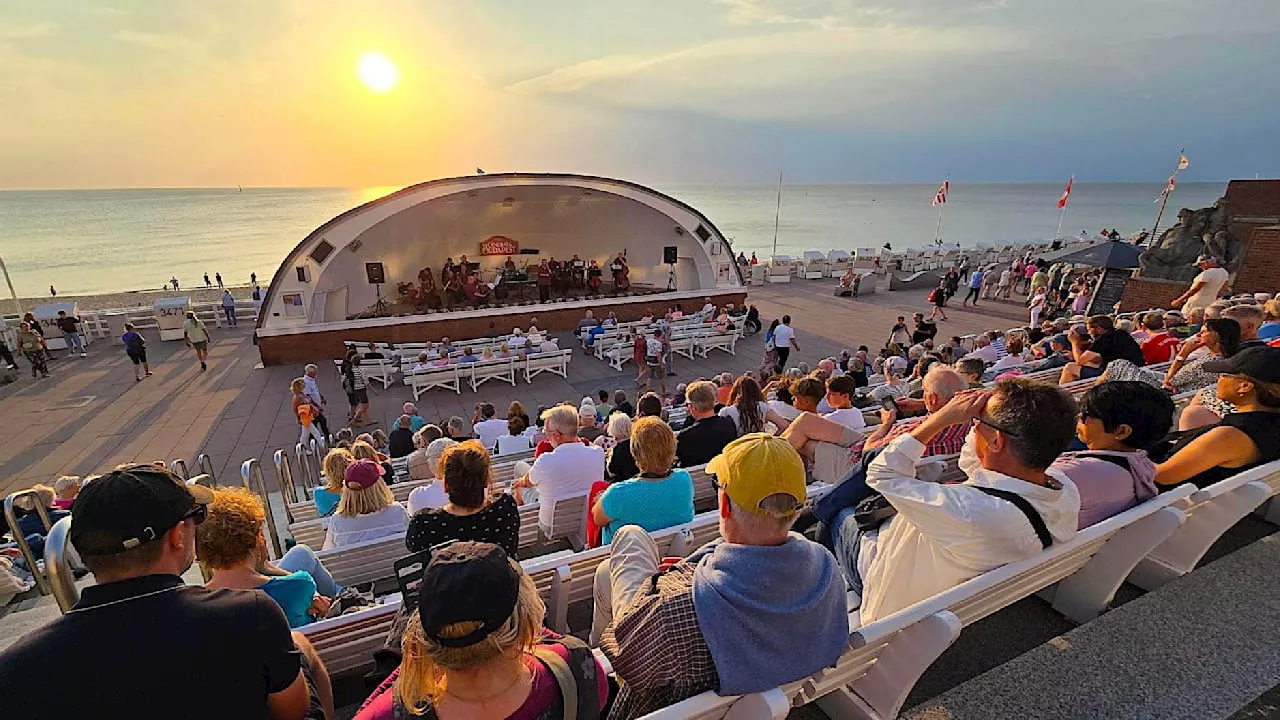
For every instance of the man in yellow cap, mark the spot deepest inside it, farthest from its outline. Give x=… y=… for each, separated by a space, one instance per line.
x=759 y=607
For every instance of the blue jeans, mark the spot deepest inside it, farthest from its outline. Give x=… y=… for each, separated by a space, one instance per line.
x=75 y=343
x=301 y=557
x=231 y=314
x=846 y=538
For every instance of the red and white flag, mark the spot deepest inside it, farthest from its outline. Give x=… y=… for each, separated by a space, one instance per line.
x=1066 y=194
x=940 y=198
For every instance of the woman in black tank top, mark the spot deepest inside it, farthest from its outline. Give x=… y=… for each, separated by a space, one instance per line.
x=1244 y=439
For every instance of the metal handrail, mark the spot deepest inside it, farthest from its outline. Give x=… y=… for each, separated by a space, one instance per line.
x=206 y=467
x=202 y=479
x=318 y=450
x=251 y=473
x=284 y=478
x=208 y=482
x=12 y=518
x=179 y=468
x=306 y=464
x=57 y=564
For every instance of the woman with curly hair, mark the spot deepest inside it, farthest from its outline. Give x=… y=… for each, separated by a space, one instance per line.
x=476 y=647
x=231 y=544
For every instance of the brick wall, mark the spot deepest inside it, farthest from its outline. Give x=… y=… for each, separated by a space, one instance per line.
x=1145 y=293
x=1260 y=271
x=321 y=344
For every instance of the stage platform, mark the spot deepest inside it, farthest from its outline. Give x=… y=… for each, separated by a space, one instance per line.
x=307 y=343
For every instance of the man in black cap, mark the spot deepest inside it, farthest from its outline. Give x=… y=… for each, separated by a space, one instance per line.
x=141 y=642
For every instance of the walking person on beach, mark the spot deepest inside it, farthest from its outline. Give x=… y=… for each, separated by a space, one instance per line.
x=939 y=299
x=174 y=280
x=206 y=280
x=31 y=343
x=217 y=277
x=196 y=336
x=305 y=412
x=70 y=327
x=253 y=278
x=975 y=286
x=228 y=306
x=135 y=346
x=53 y=292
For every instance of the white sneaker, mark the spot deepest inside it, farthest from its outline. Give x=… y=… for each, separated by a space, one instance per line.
x=84 y=354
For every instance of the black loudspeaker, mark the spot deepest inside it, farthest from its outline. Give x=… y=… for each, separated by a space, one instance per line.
x=376 y=273
x=669 y=254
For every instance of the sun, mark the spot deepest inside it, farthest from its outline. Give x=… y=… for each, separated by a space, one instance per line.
x=377 y=72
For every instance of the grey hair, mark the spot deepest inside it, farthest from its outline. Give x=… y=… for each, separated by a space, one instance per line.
x=944 y=382
x=619 y=426
x=309 y=367
x=776 y=515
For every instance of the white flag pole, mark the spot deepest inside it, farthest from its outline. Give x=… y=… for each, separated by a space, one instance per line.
x=16 y=303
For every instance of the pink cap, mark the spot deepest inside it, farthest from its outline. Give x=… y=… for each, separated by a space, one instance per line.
x=362 y=474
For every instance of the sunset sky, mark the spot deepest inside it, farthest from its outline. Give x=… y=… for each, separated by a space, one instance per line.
x=139 y=93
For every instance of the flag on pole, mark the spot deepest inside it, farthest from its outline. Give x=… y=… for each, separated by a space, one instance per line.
x=1183 y=162
x=940 y=197
x=1168 y=188
x=1062 y=201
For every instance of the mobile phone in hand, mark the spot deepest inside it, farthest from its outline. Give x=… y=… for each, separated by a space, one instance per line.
x=889 y=404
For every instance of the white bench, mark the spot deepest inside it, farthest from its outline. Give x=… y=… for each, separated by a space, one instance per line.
x=446 y=376
x=556 y=363
x=503 y=369
x=718 y=341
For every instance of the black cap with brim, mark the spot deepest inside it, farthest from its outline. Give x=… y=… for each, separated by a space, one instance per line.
x=130 y=506
x=1259 y=363
x=467 y=582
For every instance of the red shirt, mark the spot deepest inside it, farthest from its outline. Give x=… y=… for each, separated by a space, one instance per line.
x=1160 y=347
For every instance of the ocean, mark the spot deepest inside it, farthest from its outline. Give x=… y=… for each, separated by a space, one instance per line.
x=96 y=241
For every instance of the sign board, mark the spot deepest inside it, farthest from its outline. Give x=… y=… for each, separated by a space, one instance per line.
x=47 y=316
x=170 y=313
x=1110 y=289
x=499 y=245
x=292 y=305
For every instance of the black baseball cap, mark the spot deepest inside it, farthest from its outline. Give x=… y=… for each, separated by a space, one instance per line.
x=132 y=505
x=1259 y=363
x=467 y=581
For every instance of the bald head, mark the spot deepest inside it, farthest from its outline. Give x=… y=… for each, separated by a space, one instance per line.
x=940 y=385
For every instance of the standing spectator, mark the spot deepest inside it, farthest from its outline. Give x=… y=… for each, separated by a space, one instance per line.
x=1036 y=304
x=356 y=385
x=217 y=277
x=488 y=427
x=135 y=346
x=400 y=442
x=470 y=513
x=367 y=510
x=784 y=341
x=228 y=306
x=709 y=433
x=32 y=345
x=1205 y=287
x=70 y=327
x=309 y=373
x=207 y=283
x=135 y=530
x=196 y=336
x=757 y=609
x=567 y=471
x=952 y=280
x=653 y=363
x=658 y=497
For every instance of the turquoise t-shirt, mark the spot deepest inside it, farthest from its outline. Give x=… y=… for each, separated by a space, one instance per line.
x=293 y=593
x=325 y=501
x=416 y=423
x=651 y=504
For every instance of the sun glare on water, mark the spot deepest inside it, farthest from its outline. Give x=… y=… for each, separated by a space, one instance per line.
x=377 y=72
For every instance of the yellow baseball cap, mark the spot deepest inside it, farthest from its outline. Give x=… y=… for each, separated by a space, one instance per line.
x=758 y=465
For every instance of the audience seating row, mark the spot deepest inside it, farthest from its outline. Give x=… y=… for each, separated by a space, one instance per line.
x=475 y=374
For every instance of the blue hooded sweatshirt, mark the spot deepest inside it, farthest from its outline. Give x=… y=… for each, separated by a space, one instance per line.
x=770 y=615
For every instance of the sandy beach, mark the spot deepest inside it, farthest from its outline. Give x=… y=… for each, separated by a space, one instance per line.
x=132 y=299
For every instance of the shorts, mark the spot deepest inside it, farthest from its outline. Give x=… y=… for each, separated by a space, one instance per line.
x=202 y=345
x=358 y=397
x=831 y=461
x=1087 y=372
x=139 y=357
x=654 y=364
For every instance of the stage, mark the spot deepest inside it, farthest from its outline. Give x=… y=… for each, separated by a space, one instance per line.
x=317 y=341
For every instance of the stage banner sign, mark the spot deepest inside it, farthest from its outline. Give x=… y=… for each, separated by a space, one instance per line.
x=499 y=245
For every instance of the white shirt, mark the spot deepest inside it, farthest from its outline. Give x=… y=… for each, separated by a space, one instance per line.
x=548 y=346
x=849 y=417
x=1006 y=277
x=431 y=495
x=1213 y=278
x=1008 y=361
x=944 y=535
x=783 y=336
x=732 y=413
x=311 y=390
x=517 y=341
x=987 y=353
x=508 y=444
x=489 y=430
x=390 y=520
x=788 y=412
x=567 y=471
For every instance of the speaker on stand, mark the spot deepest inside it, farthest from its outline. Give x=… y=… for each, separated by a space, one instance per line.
x=376 y=274
x=669 y=257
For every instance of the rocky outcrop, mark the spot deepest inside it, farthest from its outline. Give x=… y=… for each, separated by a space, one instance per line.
x=1206 y=231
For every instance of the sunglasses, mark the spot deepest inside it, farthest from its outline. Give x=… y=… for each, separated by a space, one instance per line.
x=197 y=513
x=994 y=426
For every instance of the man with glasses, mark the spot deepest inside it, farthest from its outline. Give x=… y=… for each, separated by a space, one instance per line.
x=141 y=641
x=567 y=471
x=1011 y=505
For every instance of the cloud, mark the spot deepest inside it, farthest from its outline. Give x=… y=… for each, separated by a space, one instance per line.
x=26 y=32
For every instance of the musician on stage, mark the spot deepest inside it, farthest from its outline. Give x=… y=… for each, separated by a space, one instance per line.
x=465 y=266
x=453 y=287
x=476 y=291
x=509 y=265
x=621 y=273
x=594 y=273
x=427 y=280
x=544 y=281
x=579 y=268
x=447 y=270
